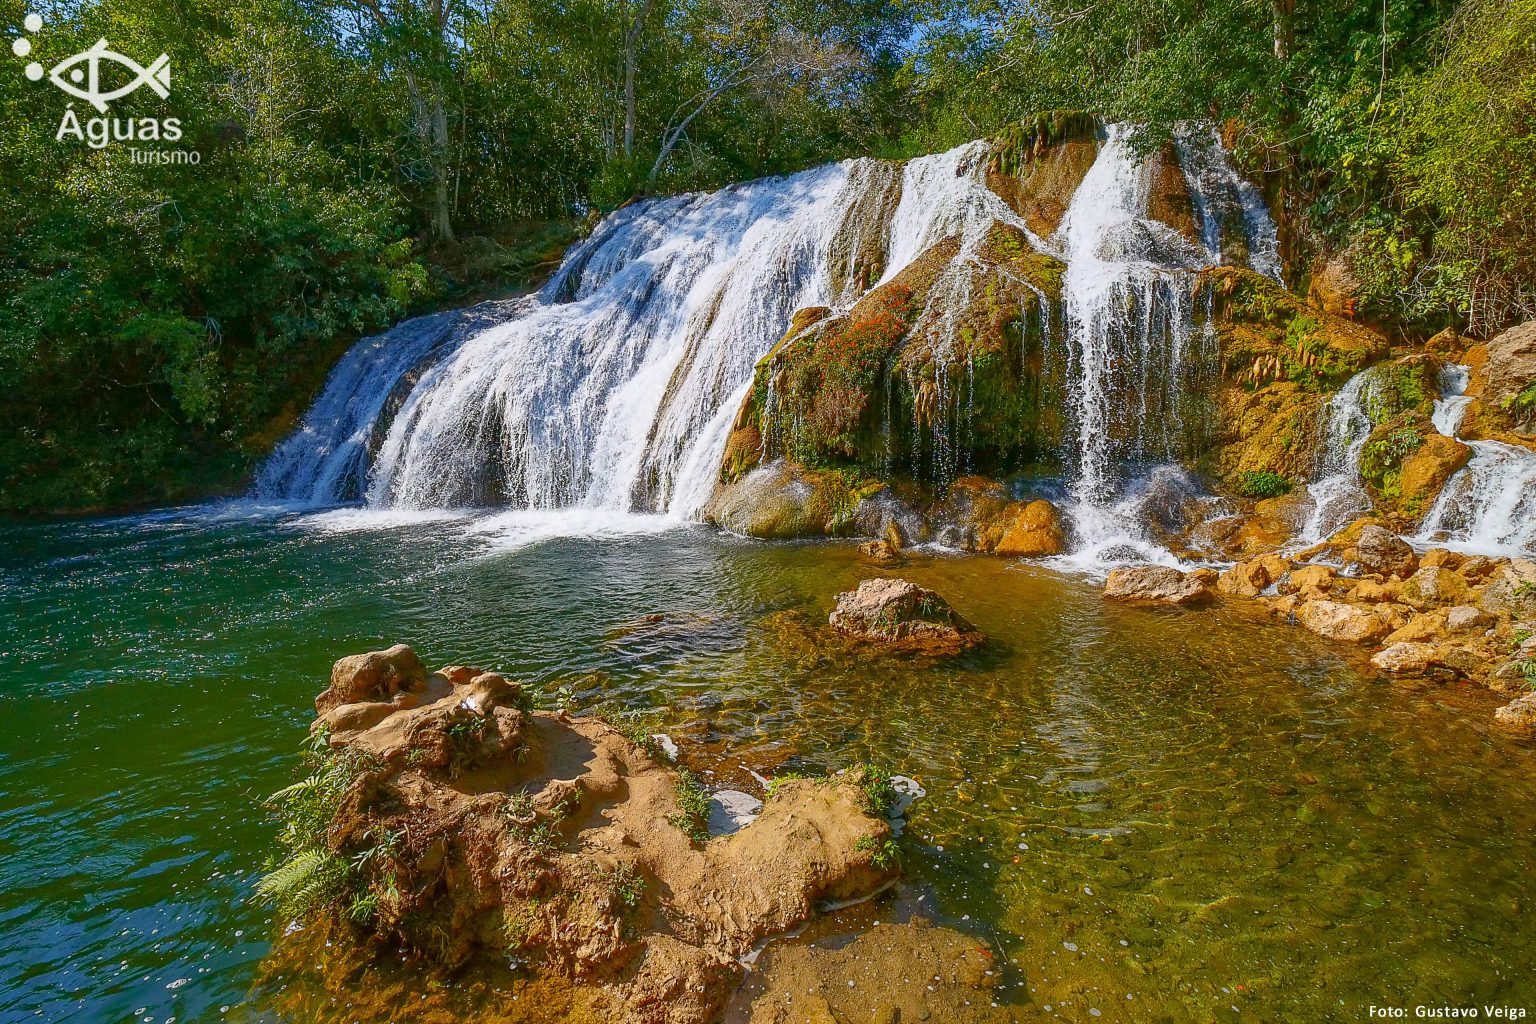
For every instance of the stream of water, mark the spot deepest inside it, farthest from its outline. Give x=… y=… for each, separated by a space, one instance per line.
x=1159 y=815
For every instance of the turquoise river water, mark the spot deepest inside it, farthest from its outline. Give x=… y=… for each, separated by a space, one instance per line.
x=1157 y=815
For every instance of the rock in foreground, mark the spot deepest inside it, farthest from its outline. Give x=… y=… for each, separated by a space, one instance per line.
x=902 y=616
x=1519 y=714
x=453 y=822
x=1156 y=584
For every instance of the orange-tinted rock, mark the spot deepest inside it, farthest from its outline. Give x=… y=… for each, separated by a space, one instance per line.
x=375 y=676
x=1030 y=530
x=1338 y=621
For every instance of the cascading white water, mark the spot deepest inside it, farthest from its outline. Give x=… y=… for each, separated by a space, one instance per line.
x=614 y=388
x=1224 y=201
x=1336 y=496
x=1489 y=506
x=610 y=389
x=324 y=461
x=1136 y=348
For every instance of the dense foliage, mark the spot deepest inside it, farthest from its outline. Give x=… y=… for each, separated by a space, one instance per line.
x=1398 y=132
x=161 y=325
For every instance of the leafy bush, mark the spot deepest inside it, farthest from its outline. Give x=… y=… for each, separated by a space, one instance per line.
x=309 y=875
x=1263 y=484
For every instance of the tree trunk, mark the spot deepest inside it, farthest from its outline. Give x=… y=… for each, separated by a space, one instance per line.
x=1284 y=12
x=442 y=221
x=632 y=34
x=430 y=119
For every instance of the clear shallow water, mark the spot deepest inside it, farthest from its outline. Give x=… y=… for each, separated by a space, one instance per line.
x=1199 y=810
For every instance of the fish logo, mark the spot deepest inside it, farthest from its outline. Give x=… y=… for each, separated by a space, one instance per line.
x=84 y=69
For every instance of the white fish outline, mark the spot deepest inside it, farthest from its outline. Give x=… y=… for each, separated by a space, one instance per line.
x=157 y=76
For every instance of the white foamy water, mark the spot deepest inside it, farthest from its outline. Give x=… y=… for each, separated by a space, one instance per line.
x=613 y=389
x=1337 y=496
x=1489 y=506
x=1138 y=343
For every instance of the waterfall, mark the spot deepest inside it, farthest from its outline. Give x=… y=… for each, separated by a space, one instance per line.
x=1489 y=506
x=611 y=388
x=1138 y=348
x=614 y=387
x=324 y=461
x=1336 y=496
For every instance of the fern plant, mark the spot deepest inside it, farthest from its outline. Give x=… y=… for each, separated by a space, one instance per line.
x=310 y=876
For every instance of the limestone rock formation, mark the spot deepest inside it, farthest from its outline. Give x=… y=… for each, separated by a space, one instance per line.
x=1510 y=372
x=1434 y=586
x=1338 y=621
x=1156 y=584
x=464 y=825
x=902 y=616
x=1382 y=551
x=1519 y=713
x=1405 y=658
x=372 y=677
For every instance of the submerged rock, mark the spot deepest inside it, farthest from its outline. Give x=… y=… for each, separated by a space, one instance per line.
x=1156 y=584
x=893 y=973
x=903 y=616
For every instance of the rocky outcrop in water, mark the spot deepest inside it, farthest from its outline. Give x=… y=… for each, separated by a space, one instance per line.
x=900 y=616
x=1441 y=614
x=1157 y=584
x=448 y=818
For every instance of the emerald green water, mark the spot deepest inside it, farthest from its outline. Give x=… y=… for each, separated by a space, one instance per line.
x=1158 y=815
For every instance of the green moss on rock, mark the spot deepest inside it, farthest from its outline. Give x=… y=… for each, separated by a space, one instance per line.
x=948 y=355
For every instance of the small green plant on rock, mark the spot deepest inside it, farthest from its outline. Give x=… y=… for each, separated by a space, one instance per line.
x=1523 y=404
x=692 y=815
x=875 y=783
x=627 y=885
x=1263 y=484
x=882 y=853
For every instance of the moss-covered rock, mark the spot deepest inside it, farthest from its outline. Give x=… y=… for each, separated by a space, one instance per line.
x=784 y=501
x=1406 y=462
x=939 y=369
x=1281 y=361
x=1036 y=166
x=1269 y=334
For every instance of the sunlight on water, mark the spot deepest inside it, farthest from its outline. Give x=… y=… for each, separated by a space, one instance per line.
x=1199 y=810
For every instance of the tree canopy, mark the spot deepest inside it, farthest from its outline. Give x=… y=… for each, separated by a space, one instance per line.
x=360 y=160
